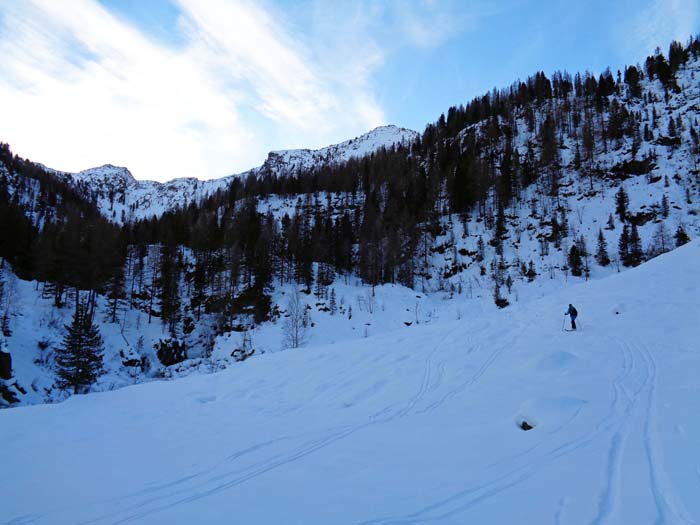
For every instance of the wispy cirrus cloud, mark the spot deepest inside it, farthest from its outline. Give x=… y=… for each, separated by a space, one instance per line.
x=287 y=83
x=430 y=23
x=80 y=86
x=659 y=22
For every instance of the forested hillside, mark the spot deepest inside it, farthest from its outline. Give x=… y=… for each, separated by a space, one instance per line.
x=549 y=181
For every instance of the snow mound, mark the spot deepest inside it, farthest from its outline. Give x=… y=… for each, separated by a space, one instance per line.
x=549 y=411
x=557 y=361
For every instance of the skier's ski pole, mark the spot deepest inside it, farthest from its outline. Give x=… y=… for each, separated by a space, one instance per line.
x=563 y=322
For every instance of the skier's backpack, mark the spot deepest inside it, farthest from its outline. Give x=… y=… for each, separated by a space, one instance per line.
x=574 y=312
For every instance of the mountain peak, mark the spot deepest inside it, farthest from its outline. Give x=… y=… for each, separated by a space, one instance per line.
x=292 y=160
x=120 y=197
x=105 y=173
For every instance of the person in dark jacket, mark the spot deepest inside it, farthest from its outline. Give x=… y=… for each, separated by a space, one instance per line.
x=571 y=312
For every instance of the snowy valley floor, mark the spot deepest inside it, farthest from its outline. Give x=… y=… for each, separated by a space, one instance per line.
x=415 y=426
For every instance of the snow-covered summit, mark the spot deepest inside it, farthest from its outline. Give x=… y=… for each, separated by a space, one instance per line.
x=108 y=172
x=121 y=198
x=304 y=159
x=383 y=136
x=117 y=178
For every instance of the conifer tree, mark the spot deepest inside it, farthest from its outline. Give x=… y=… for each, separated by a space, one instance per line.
x=588 y=136
x=79 y=358
x=695 y=138
x=575 y=262
x=632 y=80
x=623 y=245
x=563 y=224
x=601 y=255
x=681 y=236
x=5 y=301
x=199 y=285
x=500 y=228
x=585 y=255
x=505 y=185
x=333 y=304
x=611 y=223
x=4 y=315
x=648 y=134
x=169 y=288
x=498 y=299
x=664 y=206
x=671 y=127
x=115 y=293
x=577 y=158
x=480 y=249
x=635 y=247
x=531 y=272
x=555 y=237
x=621 y=203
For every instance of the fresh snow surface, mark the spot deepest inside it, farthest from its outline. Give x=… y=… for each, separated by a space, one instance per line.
x=418 y=425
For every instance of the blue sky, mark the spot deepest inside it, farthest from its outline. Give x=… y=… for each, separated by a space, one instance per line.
x=205 y=88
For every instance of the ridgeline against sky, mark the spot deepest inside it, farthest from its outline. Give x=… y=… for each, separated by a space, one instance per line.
x=173 y=88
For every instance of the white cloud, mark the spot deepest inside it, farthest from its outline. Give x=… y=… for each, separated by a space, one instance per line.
x=80 y=87
x=428 y=24
x=304 y=98
x=659 y=23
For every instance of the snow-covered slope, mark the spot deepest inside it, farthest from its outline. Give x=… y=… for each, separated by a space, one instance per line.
x=419 y=425
x=121 y=198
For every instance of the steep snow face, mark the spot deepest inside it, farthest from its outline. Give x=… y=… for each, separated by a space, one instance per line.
x=121 y=198
x=420 y=425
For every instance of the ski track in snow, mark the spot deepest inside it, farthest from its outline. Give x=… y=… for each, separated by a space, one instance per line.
x=623 y=415
x=232 y=457
x=670 y=510
x=466 y=499
x=206 y=485
x=643 y=420
x=203 y=484
x=632 y=387
x=631 y=407
x=221 y=482
x=471 y=348
x=609 y=497
x=426 y=380
x=469 y=382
